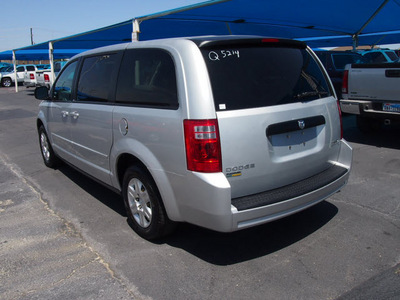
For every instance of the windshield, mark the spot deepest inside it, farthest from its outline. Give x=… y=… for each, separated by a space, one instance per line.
x=6 y=69
x=248 y=77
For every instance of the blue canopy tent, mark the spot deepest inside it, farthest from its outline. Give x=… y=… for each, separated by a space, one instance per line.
x=329 y=23
x=325 y=23
x=40 y=54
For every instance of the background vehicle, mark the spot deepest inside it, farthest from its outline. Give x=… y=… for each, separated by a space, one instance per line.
x=44 y=77
x=30 y=77
x=372 y=92
x=380 y=55
x=8 y=79
x=335 y=62
x=6 y=69
x=3 y=64
x=222 y=132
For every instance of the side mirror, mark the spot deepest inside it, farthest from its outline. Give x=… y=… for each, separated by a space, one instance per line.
x=42 y=93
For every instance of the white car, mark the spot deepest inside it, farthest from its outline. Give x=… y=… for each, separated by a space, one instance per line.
x=8 y=79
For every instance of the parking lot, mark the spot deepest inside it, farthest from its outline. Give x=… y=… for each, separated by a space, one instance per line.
x=63 y=235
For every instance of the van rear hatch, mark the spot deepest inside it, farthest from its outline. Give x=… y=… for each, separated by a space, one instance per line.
x=278 y=119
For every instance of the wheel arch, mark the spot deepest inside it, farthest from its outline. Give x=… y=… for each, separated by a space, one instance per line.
x=161 y=182
x=39 y=123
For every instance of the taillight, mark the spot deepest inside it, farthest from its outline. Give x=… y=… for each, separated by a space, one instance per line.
x=32 y=76
x=345 y=82
x=46 y=78
x=203 y=148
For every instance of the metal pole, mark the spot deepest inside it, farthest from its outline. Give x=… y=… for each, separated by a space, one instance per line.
x=15 y=71
x=355 y=42
x=32 y=37
x=51 y=57
x=135 y=30
x=356 y=35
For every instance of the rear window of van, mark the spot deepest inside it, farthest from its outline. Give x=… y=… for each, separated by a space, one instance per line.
x=250 y=77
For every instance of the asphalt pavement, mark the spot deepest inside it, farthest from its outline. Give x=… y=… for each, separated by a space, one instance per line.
x=63 y=236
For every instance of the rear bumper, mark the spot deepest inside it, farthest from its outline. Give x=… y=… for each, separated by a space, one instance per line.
x=210 y=204
x=368 y=109
x=29 y=84
x=274 y=211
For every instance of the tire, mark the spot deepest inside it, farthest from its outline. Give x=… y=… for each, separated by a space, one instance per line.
x=145 y=210
x=6 y=82
x=49 y=158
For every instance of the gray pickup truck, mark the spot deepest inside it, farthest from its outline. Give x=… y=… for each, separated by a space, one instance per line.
x=372 y=93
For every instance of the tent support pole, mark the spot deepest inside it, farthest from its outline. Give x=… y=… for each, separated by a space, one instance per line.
x=355 y=42
x=15 y=71
x=372 y=17
x=229 y=28
x=51 y=58
x=135 y=30
x=356 y=35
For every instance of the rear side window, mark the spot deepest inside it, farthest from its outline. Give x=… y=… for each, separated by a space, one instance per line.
x=30 y=68
x=249 y=77
x=95 y=80
x=392 y=55
x=375 y=57
x=147 y=78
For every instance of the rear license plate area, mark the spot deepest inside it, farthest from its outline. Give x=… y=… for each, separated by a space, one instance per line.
x=391 y=107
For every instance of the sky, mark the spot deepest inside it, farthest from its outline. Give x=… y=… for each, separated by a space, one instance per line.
x=52 y=19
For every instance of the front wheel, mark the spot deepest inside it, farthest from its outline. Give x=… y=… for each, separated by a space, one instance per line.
x=49 y=158
x=6 y=82
x=144 y=207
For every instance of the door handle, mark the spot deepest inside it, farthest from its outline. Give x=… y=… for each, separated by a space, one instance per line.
x=74 y=114
x=64 y=113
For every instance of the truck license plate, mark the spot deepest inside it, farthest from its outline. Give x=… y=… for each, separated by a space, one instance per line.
x=392 y=107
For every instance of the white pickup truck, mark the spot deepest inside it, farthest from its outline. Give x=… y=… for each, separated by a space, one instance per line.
x=44 y=77
x=7 y=79
x=372 y=93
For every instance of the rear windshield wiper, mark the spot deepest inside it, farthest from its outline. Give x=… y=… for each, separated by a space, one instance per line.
x=303 y=95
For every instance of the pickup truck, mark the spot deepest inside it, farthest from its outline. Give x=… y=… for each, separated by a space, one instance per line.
x=30 y=78
x=44 y=78
x=335 y=62
x=8 y=79
x=372 y=93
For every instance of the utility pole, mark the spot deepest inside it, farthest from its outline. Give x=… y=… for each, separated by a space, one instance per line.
x=32 y=37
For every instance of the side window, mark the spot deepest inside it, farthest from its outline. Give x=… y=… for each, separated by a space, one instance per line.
x=57 y=67
x=147 y=78
x=95 y=80
x=376 y=57
x=63 y=86
x=20 y=69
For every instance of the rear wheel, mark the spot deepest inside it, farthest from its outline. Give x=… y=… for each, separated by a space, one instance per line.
x=144 y=207
x=6 y=82
x=49 y=158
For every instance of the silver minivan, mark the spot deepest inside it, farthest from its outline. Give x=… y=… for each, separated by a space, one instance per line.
x=225 y=132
